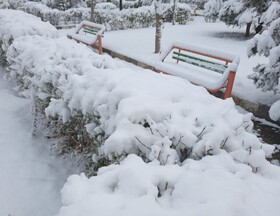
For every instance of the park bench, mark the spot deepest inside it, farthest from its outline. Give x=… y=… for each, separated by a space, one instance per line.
x=201 y=66
x=89 y=33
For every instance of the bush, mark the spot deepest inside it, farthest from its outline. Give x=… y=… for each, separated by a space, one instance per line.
x=142 y=17
x=112 y=18
x=104 y=111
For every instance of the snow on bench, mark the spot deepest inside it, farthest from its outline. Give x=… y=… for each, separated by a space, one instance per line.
x=89 y=33
x=205 y=67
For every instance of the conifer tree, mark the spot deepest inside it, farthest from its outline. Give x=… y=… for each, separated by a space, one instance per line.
x=267 y=76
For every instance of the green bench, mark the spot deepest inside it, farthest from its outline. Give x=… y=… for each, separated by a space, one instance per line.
x=202 y=66
x=89 y=33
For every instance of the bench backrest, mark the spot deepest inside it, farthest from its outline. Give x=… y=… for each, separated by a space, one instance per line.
x=209 y=59
x=199 y=62
x=90 y=28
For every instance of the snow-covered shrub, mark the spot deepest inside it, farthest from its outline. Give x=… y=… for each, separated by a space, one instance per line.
x=108 y=15
x=230 y=11
x=4 y=4
x=214 y=186
x=88 y=97
x=11 y=4
x=14 y=24
x=267 y=76
x=42 y=67
x=139 y=17
x=212 y=9
x=103 y=109
x=55 y=16
x=127 y=18
x=105 y=6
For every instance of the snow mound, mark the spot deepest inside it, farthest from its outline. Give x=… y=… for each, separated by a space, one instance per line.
x=214 y=185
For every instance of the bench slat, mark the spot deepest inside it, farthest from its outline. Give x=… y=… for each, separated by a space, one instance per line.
x=89 y=32
x=198 y=64
x=216 y=67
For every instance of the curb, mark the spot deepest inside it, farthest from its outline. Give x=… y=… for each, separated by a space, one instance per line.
x=259 y=110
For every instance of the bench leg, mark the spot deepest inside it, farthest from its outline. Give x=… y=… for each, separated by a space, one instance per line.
x=99 y=44
x=229 y=85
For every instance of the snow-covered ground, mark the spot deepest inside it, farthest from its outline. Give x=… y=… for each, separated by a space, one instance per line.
x=31 y=177
x=213 y=186
x=139 y=44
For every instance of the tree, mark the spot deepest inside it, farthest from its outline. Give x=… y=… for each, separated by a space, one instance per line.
x=92 y=7
x=212 y=9
x=121 y=5
x=242 y=12
x=267 y=76
x=159 y=23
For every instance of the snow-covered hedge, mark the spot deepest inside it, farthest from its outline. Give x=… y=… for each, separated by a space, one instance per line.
x=11 y=4
x=139 y=17
x=113 y=19
x=214 y=186
x=155 y=116
x=54 y=16
x=14 y=24
x=112 y=111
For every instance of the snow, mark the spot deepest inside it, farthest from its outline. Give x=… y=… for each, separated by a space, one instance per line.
x=271 y=13
x=274 y=111
x=14 y=24
x=31 y=176
x=216 y=185
x=200 y=153
x=246 y=17
x=140 y=45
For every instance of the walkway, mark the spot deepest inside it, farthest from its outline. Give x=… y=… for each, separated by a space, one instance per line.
x=30 y=178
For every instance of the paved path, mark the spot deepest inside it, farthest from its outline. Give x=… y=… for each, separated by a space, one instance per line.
x=30 y=177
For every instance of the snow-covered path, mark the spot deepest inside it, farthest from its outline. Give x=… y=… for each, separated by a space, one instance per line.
x=30 y=177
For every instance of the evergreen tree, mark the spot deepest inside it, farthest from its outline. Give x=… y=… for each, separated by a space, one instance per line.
x=243 y=12
x=212 y=9
x=267 y=76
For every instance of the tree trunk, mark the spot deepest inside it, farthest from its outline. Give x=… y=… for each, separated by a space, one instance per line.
x=158 y=26
x=174 y=12
x=121 y=5
x=248 y=26
x=92 y=6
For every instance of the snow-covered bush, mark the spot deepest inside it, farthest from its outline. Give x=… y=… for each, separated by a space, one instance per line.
x=212 y=10
x=214 y=186
x=267 y=76
x=115 y=109
x=105 y=6
x=103 y=109
x=14 y=24
x=11 y=4
x=113 y=19
x=54 y=16
x=139 y=17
